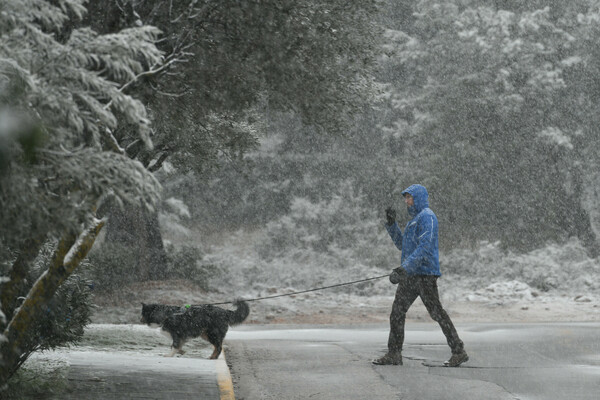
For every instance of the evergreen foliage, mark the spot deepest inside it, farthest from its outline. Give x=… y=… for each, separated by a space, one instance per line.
x=225 y=58
x=340 y=226
x=225 y=62
x=67 y=95
x=493 y=106
x=492 y=121
x=110 y=265
x=61 y=95
x=67 y=314
x=78 y=94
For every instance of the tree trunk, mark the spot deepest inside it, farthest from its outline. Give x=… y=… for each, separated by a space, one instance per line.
x=138 y=229
x=10 y=291
x=68 y=255
x=581 y=223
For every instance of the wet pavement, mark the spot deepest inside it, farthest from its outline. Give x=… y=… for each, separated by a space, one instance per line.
x=542 y=361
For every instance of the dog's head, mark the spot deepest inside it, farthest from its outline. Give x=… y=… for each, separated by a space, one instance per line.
x=153 y=314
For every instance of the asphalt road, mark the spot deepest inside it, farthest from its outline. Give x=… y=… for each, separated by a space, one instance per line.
x=507 y=361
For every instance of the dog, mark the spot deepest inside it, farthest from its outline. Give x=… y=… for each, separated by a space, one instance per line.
x=211 y=323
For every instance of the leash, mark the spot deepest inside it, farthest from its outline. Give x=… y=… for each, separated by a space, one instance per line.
x=294 y=293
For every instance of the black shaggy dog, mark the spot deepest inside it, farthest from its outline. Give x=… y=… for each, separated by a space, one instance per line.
x=206 y=321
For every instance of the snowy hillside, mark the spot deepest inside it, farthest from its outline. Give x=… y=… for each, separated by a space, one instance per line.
x=553 y=283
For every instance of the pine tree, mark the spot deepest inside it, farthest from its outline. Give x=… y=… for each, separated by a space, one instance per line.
x=62 y=94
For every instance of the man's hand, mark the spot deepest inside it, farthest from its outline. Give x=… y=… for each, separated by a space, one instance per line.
x=390 y=215
x=397 y=275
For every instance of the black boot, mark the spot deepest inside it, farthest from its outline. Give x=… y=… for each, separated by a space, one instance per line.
x=389 y=359
x=457 y=359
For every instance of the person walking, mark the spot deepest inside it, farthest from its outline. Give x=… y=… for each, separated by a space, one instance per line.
x=417 y=276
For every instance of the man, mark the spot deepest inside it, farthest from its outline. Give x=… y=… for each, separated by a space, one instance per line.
x=417 y=276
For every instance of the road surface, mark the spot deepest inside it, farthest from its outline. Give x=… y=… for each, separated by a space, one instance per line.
x=507 y=361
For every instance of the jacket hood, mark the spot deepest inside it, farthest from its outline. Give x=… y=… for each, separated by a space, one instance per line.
x=421 y=197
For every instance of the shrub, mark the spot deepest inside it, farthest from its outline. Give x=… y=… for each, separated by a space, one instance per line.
x=185 y=262
x=110 y=265
x=340 y=226
x=68 y=311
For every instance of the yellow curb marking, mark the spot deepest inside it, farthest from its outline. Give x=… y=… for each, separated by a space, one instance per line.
x=224 y=378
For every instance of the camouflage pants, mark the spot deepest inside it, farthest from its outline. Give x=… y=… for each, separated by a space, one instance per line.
x=408 y=290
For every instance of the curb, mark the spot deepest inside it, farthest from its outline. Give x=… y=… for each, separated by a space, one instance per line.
x=224 y=378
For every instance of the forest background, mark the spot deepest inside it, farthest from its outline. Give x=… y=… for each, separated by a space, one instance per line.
x=252 y=146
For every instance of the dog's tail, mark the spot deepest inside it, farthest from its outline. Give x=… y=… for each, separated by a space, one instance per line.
x=240 y=313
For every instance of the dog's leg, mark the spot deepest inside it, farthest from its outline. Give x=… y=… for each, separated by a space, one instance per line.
x=172 y=353
x=179 y=349
x=176 y=346
x=216 y=352
x=217 y=341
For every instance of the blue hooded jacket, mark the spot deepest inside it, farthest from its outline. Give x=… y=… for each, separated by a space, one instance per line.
x=419 y=244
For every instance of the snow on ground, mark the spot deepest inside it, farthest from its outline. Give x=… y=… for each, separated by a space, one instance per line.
x=135 y=339
x=487 y=284
x=502 y=291
x=554 y=283
x=109 y=346
x=125 y=339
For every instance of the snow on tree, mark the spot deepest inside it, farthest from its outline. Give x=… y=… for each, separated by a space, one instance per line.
x=65 y=91
x=498 y=112
x=228 y=59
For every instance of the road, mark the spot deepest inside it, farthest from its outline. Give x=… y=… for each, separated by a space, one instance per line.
x=507 y=361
